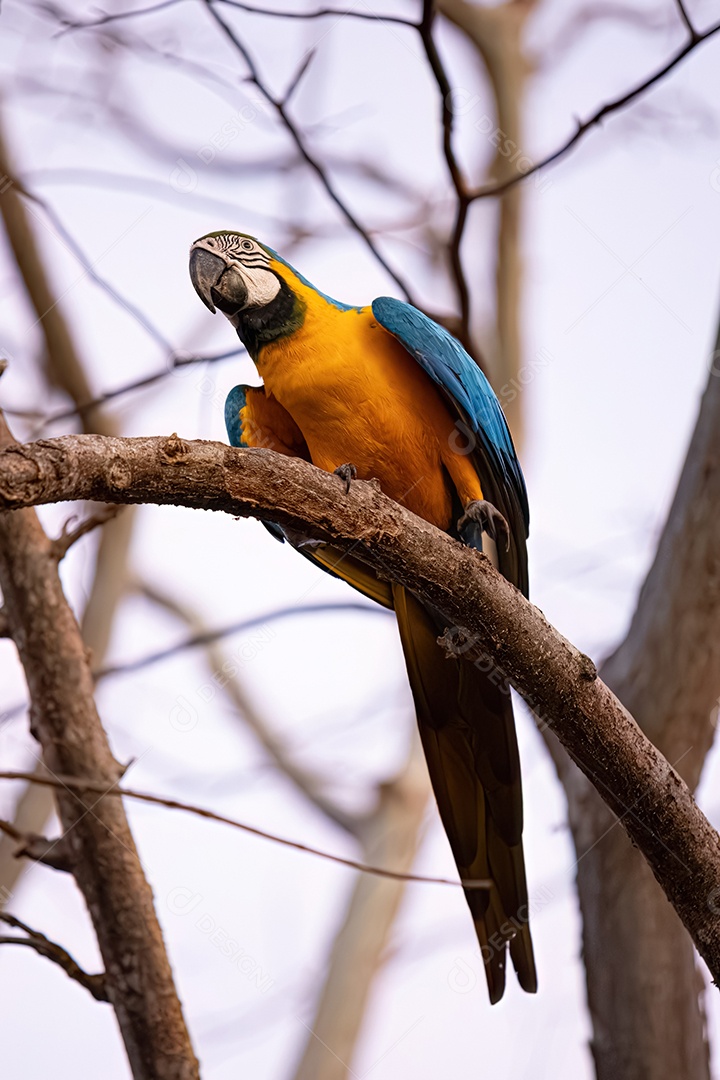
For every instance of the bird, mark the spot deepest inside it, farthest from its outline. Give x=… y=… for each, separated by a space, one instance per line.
x=384 y=392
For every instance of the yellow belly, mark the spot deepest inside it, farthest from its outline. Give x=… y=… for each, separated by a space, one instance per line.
x=358 y=396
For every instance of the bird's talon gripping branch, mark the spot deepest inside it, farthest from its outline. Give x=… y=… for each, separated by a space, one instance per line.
x=488 y=517
x=348 y=473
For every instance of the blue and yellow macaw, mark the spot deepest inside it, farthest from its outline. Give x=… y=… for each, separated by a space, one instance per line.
x=383 y=391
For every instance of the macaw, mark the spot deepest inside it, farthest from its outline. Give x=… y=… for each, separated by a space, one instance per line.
x=383 y=391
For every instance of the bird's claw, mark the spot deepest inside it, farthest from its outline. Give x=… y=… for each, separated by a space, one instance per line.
x=488 y=517
x=348 y=473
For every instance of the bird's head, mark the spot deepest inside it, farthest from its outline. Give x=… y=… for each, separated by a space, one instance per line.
x=250 y=284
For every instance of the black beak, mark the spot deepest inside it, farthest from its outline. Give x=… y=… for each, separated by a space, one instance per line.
x=216 y=283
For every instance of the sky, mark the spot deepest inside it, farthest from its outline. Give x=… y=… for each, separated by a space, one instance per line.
x=138 y=147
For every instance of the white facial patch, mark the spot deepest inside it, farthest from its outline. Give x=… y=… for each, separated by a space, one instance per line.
x=262 y=285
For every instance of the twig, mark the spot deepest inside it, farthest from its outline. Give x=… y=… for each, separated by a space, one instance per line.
x=53 y=853
x=88 y=266
x=694 y=36
x=298 y=76
x=75 y=784
x=209 y=637
x=299 y=140
x=62 y=544
x=458 y=180
x=606 y=110
x=96 y=984
x=105 y=862
x=320 y=13
x=174 y=362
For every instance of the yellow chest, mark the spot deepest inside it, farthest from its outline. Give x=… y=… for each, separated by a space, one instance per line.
x=358 y=396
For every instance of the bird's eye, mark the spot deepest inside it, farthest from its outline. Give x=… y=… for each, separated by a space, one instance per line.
x=247 y=245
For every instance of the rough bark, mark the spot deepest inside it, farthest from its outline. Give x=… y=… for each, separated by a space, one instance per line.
x=654 y=804
x=101 y=848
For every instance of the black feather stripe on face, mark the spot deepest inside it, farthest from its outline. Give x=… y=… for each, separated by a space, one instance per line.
x=282 y=316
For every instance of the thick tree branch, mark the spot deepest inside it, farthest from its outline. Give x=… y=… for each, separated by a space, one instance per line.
x=654 y=804
x=105 y=863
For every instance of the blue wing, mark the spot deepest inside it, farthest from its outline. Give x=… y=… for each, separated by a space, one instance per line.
x=470 y=395
x=234 y=402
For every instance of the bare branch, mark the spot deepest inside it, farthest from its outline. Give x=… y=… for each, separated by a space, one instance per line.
x=604 y=111
x=667 y=671
x=69 y=536
x=210 y=636
x=73 y=783
x=694 y=36
x=299 y=140
x=178 y=360
x=653 y=803
x=53 y=853
x=105 y=862
x=321 y=13
x=456 y=175
x=88 y=267
x=298 y=76
x=96 y=984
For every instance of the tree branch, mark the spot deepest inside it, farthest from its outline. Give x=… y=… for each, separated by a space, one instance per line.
x=299 y=140
x=605 y=110
x=456 y=174
x=53 y=853
x=73 y=783
x=654 y=804
x=70 y=535
x=694 y=36
x=105 y=862
x=96 y=984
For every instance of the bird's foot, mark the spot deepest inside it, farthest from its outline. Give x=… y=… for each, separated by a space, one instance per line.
x=348 y=473
x=488 y=517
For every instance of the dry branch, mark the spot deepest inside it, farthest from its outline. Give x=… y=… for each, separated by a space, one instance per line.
x=610 y=107
x=104 y=860
x=95 y=984
x=654 y=804
x=72 y=783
